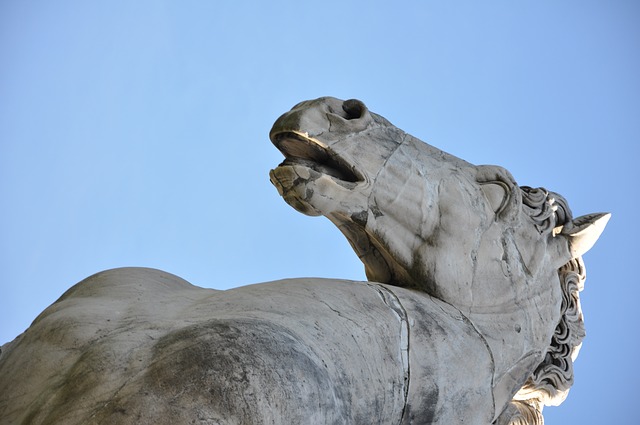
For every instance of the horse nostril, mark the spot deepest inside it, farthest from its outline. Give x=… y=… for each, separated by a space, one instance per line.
x=354 y=109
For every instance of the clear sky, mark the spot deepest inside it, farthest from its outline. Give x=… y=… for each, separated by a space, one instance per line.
x=135 y=134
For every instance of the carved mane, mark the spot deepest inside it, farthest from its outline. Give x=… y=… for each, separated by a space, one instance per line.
x=550 y=382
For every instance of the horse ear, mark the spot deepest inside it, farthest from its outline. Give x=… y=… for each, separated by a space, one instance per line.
x=583 y=232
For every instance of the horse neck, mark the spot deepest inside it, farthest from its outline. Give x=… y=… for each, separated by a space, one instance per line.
x=517 y=334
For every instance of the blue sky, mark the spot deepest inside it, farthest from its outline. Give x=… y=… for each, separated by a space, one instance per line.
x=135 y=134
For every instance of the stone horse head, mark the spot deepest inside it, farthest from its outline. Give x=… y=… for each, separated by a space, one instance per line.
x=508 y=257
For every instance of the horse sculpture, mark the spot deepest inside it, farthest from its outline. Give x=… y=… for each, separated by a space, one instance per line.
x=471 y=312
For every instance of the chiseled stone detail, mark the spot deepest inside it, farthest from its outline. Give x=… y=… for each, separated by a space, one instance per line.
x=471 y=313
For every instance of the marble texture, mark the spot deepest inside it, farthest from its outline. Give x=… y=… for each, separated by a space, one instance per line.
x=471 y=313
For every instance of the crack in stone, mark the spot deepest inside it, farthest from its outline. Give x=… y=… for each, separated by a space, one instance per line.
x=393 y=302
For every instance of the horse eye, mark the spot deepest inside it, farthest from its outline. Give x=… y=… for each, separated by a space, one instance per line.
x=497 y=194
x=501 y=191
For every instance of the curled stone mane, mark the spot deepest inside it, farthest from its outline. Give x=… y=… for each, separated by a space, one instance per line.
x=550 y=382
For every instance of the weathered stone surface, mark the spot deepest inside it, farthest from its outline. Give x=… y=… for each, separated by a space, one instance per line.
x=140 y=345
x=471 y=314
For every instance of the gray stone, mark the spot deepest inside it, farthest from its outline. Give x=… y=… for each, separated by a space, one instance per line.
x=471 y=313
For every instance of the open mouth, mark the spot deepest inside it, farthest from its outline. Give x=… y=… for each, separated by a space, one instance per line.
x=301 y=150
